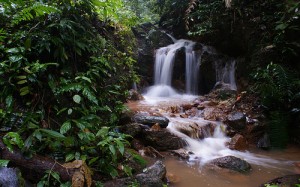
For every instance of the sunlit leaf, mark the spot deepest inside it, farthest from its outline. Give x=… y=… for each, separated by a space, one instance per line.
x=77 y=98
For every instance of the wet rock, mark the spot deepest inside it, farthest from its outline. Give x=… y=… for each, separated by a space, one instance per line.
x=213 y=114
x=181 y=153
x=134 y=95
x=236 y=120
x=264 y=142
x=9 y=177
x=231 y=163
x=183 y=116
x=151 y=120
x=238 y=142
x=254 y=132
x=186 y=107
x=150 y=177
x=126 y=117
x=137 y=144
x=132 y=129
x=288 y=180
x=195 y=130
x=155 y=127
x=222 y=91
x=162 y=140
x=150 y=152
x=192 y=112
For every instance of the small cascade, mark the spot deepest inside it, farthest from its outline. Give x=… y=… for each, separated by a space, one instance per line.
x=214 y=146
x=226 y=73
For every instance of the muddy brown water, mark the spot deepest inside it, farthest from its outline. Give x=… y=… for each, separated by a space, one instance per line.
x=187 y=175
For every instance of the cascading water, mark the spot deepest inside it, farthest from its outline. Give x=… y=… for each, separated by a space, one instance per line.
x=163 y=69
x=226 y=73
x=164 y=64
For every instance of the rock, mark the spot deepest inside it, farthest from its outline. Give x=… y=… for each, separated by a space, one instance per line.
x=264 y=142
x=236 y=120
x=195 y=130
x=155 y=127
x=134 y=95
x=181 y=153
x=126 y=117
x=162 y=140
x=183 y=116
x=238 y=142
x=137 y=145
x=288 y=181
x=132 y=129
x=150 y=177
x=231 y=163
x=151 y=120
x=9 y=177
x=150 y=152
x=186 y=107
x=222 y=91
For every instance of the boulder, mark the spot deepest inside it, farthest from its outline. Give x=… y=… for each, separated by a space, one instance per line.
x=162 y=140
x=151 y=120
x=238 y=142
x=132 y=129
x=264 y=142
x=236 y=120
x=152 y=176
x=181 y=153
x=231 y=163
x=9 y=177
x=288 y=180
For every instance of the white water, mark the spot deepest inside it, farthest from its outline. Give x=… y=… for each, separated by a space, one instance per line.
x=163 y=69
x=164 y=64
x=215 y=147
x=226 y=74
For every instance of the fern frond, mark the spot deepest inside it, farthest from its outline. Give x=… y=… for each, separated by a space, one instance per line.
x=34 y=11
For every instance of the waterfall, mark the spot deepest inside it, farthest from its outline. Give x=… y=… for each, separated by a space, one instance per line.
x=164 y=63
x=163 y=69
x=226 y=73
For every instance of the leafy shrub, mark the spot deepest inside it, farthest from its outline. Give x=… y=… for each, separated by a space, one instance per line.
x=63 y=76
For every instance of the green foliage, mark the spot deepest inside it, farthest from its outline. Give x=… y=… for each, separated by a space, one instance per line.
x=275 y=85
x=64 y=70
x=278 y=129
x=4 y=163
x=277 y=89
x=287 y=29
x=52 y=178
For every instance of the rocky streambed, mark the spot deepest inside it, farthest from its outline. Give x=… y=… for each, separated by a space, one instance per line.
x=216 y=139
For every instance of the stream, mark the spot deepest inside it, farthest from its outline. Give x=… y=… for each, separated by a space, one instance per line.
x=266 y=165
x=206 y=140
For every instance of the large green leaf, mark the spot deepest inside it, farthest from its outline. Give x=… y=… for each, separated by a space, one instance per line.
x=65 y=127
x=52 y=133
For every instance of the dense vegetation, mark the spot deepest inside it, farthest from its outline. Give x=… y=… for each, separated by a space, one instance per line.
x=65 y=66
x=64 y=70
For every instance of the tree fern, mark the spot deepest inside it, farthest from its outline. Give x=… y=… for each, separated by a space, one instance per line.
x=33 y=11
